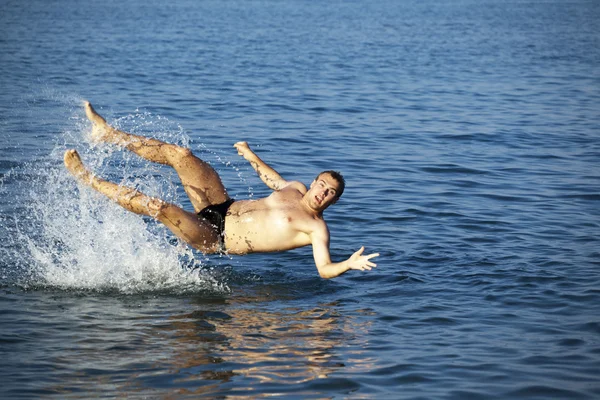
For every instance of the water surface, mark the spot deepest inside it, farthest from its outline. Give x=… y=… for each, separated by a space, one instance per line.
x=468 y=133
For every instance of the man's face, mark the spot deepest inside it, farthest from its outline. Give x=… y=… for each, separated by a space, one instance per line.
x=323 y=192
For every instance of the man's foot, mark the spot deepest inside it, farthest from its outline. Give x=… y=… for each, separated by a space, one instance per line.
x=75 y=166
x=101 y=131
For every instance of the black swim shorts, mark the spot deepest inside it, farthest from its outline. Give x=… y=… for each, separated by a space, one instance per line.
x=215 y=215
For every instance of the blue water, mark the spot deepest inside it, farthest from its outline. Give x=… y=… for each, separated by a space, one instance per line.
x=469 y=135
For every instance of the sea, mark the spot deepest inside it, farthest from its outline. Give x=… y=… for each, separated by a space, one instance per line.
x=468 y=132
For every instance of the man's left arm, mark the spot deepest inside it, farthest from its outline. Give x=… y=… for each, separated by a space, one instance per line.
x=328 y=269
x=266 y=173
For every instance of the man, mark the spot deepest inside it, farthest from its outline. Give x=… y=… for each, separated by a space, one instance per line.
x=291 y=217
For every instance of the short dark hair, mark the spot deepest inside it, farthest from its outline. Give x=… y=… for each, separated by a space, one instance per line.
x=338 y=178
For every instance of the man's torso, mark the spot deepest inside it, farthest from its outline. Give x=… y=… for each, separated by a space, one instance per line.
x=275 y=223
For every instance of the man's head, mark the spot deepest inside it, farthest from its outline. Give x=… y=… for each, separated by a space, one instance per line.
x=325 y=190
x=336 y=176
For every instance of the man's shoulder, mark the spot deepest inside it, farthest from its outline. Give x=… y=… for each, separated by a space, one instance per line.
x=296 y=185
x=317 y=228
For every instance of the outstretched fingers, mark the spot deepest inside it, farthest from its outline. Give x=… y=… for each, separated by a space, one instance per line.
x=366 y=264
x=370 y=264
x=360 y=262
x=367 y=258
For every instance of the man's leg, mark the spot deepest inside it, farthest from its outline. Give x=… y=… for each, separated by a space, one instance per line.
x=200 y=181
x=183 y=224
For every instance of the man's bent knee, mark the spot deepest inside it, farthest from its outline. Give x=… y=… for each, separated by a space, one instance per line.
x=178 y=153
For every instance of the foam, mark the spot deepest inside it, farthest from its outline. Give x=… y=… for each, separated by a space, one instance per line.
x=69 y=237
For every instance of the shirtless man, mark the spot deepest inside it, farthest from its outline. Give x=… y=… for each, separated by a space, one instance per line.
x=291 y=217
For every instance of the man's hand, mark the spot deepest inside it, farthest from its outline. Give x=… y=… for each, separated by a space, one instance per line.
x=360 y=262
x=243 y=149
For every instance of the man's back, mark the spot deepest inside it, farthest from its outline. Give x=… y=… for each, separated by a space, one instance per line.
x=278 y=222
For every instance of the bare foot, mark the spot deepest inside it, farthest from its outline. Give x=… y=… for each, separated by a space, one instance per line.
x=75 y=165
x=101 y=131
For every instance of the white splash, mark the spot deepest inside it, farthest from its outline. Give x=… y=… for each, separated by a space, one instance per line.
x=71 y=237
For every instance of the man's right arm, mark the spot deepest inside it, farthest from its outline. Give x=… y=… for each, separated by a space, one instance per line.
x=267 y=174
